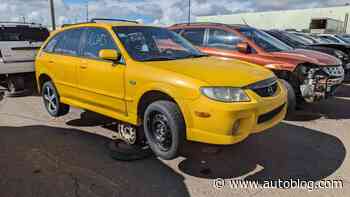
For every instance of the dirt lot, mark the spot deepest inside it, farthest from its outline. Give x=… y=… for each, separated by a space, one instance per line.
x=41 y=156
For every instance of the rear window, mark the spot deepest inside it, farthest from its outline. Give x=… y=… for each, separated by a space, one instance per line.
x=23 y=33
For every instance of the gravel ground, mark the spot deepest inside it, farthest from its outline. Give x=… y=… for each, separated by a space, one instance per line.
x=42 y=156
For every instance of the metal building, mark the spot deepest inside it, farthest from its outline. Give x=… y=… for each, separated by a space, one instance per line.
x=287 y=19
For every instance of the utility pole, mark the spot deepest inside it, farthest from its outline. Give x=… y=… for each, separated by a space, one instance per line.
x=87 y=10
x=52 y=13
x=189 y=11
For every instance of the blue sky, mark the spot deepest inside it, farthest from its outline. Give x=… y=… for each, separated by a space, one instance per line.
x=135 y=16
x=148 y=11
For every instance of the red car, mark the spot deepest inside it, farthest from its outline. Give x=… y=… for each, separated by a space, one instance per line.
x=308 y=75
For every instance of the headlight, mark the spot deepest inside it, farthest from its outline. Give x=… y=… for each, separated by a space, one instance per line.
x=225 y=94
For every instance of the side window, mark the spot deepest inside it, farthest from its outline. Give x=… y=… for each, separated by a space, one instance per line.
x=195 y=36
x=69 y=43
x=223 y=40
x=52 y=43
x=95 y=40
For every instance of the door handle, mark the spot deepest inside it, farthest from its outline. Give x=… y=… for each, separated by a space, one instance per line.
x=51 y=62
x=83 y=66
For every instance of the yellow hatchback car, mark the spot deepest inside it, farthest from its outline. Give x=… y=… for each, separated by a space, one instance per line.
x=153 y=79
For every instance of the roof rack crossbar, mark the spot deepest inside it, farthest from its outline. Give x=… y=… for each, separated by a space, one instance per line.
x=111 y=19
x=209 y=23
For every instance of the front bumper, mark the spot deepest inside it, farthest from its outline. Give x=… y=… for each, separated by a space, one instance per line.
x=320 y=85
x=219 y=128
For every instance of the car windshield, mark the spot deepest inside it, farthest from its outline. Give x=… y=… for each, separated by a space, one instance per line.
x=331 y=39
x=155 y=44
x=346 y=37
x=317 y=40
x=342 y=39
x=264 y=40
x=300 y=39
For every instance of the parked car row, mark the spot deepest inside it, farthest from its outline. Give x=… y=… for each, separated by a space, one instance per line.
x=205 y=82
x=336 y=47
x=308 y=75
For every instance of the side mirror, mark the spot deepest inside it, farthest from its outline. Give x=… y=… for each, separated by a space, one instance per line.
x=243 y=47
x=109 y=54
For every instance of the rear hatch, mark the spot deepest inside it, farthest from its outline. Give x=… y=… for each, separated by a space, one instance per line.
x=20 y=43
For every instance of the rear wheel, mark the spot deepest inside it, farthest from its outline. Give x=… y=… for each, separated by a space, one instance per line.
x=292 y=100
x=52 y=100
x=165 y=129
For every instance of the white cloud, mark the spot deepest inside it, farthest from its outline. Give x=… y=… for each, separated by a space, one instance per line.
x=151 y=11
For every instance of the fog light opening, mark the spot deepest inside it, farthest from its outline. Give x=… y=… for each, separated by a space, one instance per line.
x=202 y=114
x=236 y=127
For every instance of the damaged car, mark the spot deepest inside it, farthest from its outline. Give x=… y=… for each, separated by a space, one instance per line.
x=309 y=76
x=340 y=51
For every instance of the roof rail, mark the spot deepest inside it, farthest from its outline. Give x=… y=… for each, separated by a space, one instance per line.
x=17 y=22
x=94 y=20
x=72 y=24
x=199 y=23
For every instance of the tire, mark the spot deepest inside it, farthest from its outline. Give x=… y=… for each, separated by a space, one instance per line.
x=167 y=118
x=15 y=86
x=292 y=100
x=1 y=95
x=52 y=101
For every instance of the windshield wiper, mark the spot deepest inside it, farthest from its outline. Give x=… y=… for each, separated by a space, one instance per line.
x=194 y=56
x=158 y=59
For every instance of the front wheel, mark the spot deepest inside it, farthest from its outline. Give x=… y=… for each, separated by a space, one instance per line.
x=292 y=101
x=52 y=101
x=165 y=129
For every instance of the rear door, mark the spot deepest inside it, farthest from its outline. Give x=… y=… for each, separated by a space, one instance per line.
x=61 y=58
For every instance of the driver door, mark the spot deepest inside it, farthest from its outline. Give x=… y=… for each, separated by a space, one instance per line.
x=101 y=82
x=224 y=44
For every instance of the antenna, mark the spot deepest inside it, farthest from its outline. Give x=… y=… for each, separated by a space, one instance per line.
x=189 y=11
x=87 y=10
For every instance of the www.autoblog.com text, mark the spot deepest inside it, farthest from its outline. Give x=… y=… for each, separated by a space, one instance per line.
x=272 y=184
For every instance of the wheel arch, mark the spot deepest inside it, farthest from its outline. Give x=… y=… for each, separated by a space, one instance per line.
x=153 y=95
x=42 y=79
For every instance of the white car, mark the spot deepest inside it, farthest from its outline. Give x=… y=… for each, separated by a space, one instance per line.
x=19 y=43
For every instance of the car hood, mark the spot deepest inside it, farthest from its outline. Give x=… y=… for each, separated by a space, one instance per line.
x=215 y=71
x=331 y=45
x=299 y=56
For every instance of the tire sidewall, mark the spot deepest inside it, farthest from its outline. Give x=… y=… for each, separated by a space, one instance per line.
x=292 y=100
x=175 y=130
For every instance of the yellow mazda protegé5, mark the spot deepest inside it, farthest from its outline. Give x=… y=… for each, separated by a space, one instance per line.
x=152 y=79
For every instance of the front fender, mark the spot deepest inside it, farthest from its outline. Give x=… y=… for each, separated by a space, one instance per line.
x=174 y=92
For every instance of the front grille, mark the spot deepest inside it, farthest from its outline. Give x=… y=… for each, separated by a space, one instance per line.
x=266 y=88
x=270 y=115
